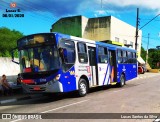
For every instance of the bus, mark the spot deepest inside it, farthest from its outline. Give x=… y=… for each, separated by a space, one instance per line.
x=55 y=63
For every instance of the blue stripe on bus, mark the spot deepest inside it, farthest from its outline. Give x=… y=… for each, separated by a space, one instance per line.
x=105 y=74
x=109 y=74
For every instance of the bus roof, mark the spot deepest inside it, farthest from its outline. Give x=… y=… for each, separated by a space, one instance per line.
x=114 y=47
x=110 y=46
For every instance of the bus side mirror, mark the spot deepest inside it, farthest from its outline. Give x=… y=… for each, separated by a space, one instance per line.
x=13 y=54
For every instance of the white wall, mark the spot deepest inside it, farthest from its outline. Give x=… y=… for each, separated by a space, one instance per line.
x=124 y=31
x=84 y=23
x=9 y=68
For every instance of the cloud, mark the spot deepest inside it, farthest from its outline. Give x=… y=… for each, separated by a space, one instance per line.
x=61 y=8
x=101 y=12
x=56 y=7
x=130 y=4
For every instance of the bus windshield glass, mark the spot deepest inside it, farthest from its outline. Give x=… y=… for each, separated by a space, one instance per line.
x=38 y=57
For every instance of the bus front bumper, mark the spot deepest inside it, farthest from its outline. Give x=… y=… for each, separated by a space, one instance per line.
x=49 y=87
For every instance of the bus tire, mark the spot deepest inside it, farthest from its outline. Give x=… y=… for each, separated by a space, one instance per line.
x=122 y=81
x=82 y=88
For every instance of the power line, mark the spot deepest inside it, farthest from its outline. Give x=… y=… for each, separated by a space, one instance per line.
x=148 y=22
x=149 y=19
x=156 y=38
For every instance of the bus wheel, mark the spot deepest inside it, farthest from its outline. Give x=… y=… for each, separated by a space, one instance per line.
x=122 y=81
x=82 y=88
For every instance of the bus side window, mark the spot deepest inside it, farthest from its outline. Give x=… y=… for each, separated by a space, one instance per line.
x=67 y=53
x=125 y=57
x=119 y=55
x=102 y=55
x=134 y=58
x=82 y=53
x=129 y=57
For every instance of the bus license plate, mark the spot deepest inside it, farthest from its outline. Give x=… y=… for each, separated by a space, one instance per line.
x=37 y=88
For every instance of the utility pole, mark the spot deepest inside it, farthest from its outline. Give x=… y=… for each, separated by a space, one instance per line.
x=147 y=49
x=101 y=3
x=137 y=23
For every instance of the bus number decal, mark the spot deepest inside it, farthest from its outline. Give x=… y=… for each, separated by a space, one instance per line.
x=71 y=72
x=43 y=80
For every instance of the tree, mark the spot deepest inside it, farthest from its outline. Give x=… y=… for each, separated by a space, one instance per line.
x=8 y=41
x=154 y=58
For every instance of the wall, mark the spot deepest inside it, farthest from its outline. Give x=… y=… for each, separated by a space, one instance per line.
x=9 y=68
x=97 y=29
x=68 y=25
x=84 y=24
x=124 y=31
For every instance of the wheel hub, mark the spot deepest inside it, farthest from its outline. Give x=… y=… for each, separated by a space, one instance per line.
x=83 y=88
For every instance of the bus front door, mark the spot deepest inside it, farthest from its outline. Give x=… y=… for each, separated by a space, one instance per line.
x=93 y=65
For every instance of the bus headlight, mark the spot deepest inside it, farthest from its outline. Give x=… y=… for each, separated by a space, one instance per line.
x=57 y=77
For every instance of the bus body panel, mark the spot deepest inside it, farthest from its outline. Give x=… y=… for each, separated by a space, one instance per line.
x=129 y=71
x=68 y=80
x=104 y=74
x=83 y=70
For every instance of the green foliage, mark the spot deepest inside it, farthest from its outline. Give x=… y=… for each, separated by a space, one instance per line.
x=154 y=58
x=143 y=53
x=8 y=41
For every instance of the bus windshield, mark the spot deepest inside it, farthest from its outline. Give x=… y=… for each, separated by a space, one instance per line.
x=38 y=53
x=38 y=59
